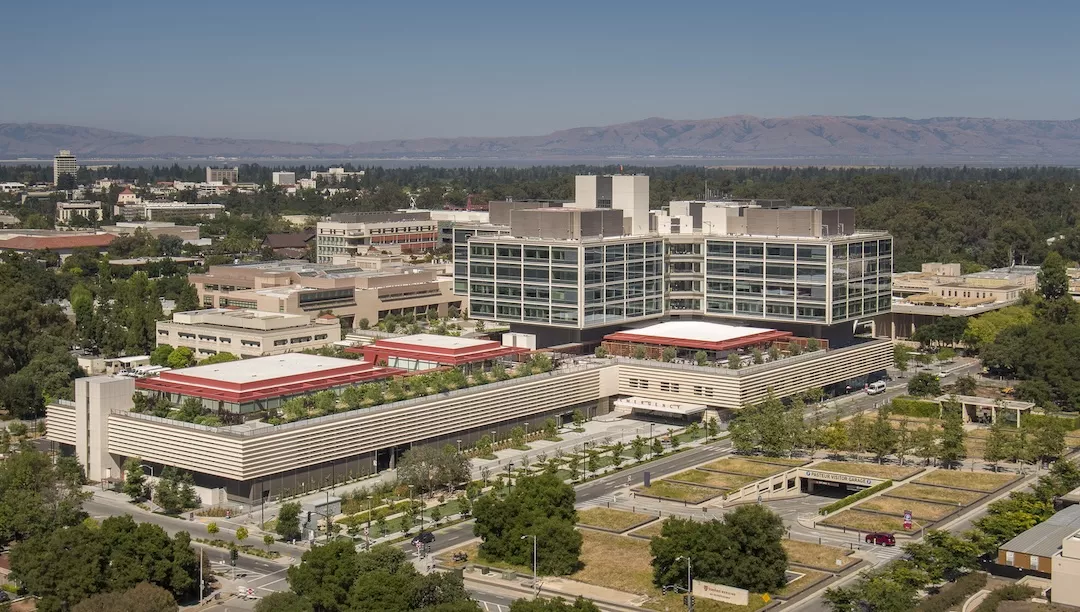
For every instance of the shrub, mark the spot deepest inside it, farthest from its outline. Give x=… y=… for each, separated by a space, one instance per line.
x=854 y=497
x=907 y=406
x=953 y=595
x=1010 y=593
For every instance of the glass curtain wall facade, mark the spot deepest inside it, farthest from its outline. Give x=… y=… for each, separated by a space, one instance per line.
x=822 y=282
x=570 y=284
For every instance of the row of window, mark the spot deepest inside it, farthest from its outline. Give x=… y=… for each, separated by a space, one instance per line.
x=791 y=252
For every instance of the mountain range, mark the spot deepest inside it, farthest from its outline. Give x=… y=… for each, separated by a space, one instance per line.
x=741 y=138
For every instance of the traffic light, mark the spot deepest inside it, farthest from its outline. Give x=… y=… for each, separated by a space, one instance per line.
x=233 y=554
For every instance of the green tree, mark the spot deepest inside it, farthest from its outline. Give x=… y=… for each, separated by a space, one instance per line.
x=551 y=429
x=578 y=418
x=901 y=357
x=222 y=357
x=924 y=384
x=1053 y=277
x=965 y=385
x=1049 y=442
x=881 y=436
x=284 y=601
x=668 y=354
x=638 y=446
x=181 y=357
x=617 y=451
x=733 y=362
x=835 y=438
x=925 y=442
x=997 y=445
x=538 y=505
x=428 y=468
x=143 y=597
x=951 y=447
x=657 y=447
x=241 y=534
x=552 y=605
x=288 y=523
x=701 y=358
x=744 y=550
x=212 y=528
x=134 y=479
x=160 y=355
x=37 y=495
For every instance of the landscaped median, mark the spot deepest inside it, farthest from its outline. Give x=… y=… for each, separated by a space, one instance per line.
x=987 y=482
x=818 y=556
x=940 y=495
x=615 y=521
x=855 y=497
x=758 y=468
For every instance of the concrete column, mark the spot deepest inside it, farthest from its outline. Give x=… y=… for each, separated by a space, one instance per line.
x=95 y=398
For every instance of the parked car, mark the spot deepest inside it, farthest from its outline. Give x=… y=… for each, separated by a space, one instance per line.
x=424 y=537
x=881 y=539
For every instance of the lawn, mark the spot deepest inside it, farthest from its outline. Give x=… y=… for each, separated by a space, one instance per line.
x=614 y=520
x=817 y=555
x=971 y=481
x=472 y=550
x=800 y=584
x=713 y=479
x=674 y=601
x=651 y=530
x=678 y=491
x=865 y=521
x=922 y=512
x=870 y=470
x=738 y=465
x=936 y=494
x=616 y=562
x=790 y=462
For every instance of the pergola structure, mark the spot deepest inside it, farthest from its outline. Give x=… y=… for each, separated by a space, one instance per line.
x=976 y=408
x=687 y=337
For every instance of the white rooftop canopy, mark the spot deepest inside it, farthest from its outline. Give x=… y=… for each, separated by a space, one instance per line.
x=696 y=330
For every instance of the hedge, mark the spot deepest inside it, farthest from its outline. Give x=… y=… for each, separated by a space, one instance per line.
x=953 y=595
x=854 y=497
x=1035 y=421
x=912 y=407
x=1010 y=593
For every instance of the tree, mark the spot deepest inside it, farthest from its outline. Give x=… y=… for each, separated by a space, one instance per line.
x=657 y=447
x=160 y=355
x=1053 y=277
x=181 y=357
x=882 y=437
x=951 y=448
x=517 y=437
x=283 y=601
x=733 y=362
x=428 y=468
x=946 y=354
x=268 y=540
x=926 y=444
x=143 y=597
x=363 y=323
x=617 y=451
x=551 y=428
x=37 y=495
x=134 y=479
x=997 y=445
x=553 y=605
x=668 y=354
x=1049 y=442
x=743 y=551
x=965 y=385
x=638 y=446
x=579 y=418
x=222 y=357
x=835 y=438
x=212 y=528
x=701 y=358
x=540 y=505
x=901 y=357
x=175 y=492
x=924 y=384
x=288 y=523
x=483 y=446
x=241 y=534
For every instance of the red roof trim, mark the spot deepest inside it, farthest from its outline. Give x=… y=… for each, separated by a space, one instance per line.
x=195 y=390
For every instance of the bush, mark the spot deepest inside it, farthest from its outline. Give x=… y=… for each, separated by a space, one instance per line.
x=907 y=406
x=854 y=497
x=953 y=595
x=1037 y=421
x=924 y=384
x=1009 y=593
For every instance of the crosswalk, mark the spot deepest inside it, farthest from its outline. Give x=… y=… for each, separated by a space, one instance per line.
x=886 y=554
x=493 y=607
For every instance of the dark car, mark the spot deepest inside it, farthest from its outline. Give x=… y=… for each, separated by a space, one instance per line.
x=881 y=539
x=424 y=537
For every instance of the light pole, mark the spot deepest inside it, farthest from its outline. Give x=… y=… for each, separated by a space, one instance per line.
x=459 y=447
x=493 y=437
x=584 y=459
x=689 y=583
x=367 y=535
x=509 y=483
x=526 y=432
x=535 y=586
x=651 y=453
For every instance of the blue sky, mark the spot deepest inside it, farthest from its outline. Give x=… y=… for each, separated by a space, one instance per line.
x=350 y=71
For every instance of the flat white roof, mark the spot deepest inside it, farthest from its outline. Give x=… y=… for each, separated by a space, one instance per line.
x=267 y=368
x=437 y=341
x=696 y=330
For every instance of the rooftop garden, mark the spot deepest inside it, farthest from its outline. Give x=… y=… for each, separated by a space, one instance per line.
x=733 y=360
x=366 y=395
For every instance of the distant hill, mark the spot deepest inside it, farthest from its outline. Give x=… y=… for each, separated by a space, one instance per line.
x=867 y=140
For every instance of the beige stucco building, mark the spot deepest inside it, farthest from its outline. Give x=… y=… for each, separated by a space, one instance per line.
x=247 y=333
x=298 y=287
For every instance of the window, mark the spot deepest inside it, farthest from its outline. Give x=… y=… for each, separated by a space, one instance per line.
x=564 y=315
x=536 y=313
x=511 y=252
x=614 y=273
x=670 y=387
x=614 y=253
x=537 y=274
x=281 y=342
x=1034 y=562
x=639 y=383
x=564 y=277
x=743 y=268
x=564 y=296
x=328 y=295
x=507 y=272
x=486 y=251
x=482 y=288
x=250 y=342
x=299 y=339
x=535 y=292
x=536 y=253
x=719 y=268
x=748 y=307
x=509 y=311
x=509 y=291
x=780 y=271
x=753 y=250
x=225 y=340
x=1010 y=558
x=320 y=336
x=785 y=252
x=564 y=256
x=780 y=309
x=594 y=255
x=720 y=249
x=163 y=332
x=812 y=253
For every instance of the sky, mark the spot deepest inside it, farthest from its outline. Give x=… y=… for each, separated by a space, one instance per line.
x=356 y=71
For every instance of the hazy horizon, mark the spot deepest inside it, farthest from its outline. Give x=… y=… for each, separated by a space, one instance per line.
x=349 y=72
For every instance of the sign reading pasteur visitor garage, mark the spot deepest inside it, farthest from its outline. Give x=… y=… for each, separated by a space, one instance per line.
x=839 y=477
x=719 y=592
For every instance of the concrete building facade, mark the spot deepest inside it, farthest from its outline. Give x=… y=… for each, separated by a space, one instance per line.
x=222 y=175
x=346 y=235
x=64 y=163
x=66 y=211
x=247 y=333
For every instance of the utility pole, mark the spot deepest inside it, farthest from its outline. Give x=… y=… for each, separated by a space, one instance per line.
x=535 y=584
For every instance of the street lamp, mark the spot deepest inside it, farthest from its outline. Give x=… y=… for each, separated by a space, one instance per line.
x=493 y=437
x=584 y=459
x=367 y=534
x=535 y=586
x=689 y=584
x=509 y=483
x=459 y=447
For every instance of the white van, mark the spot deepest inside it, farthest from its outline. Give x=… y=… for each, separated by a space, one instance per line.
x=876 y=387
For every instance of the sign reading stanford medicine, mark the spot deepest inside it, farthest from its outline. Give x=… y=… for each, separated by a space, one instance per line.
x=731 y=595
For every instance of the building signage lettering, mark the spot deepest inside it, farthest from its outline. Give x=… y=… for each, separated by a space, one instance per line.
x=719 y=592
x=836 y=477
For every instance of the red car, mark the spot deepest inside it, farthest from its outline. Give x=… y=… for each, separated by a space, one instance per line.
x=881 y=539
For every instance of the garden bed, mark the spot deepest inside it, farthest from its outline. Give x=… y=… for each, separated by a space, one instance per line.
x=970 y=481
x=712 y=479
x=607 y=519
x=921 y=511
x=650 y=531
x=930 y=493
x=746 y=467
x=869 y=470
x=818 y=556
x=677 y=491
x=854 y=520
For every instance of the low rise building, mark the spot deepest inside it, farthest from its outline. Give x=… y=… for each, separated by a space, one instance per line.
x=247 y=333
x=222 y=175
x=428 y=351
x=283 y=178
x=348 y=292
x=187 y=233
x=1049 y=549
x=59 y=242
x=344 y=235
x=165 y=211
x=293 y=245
x=66 y=211
x=335 y=175
x=12 y=187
